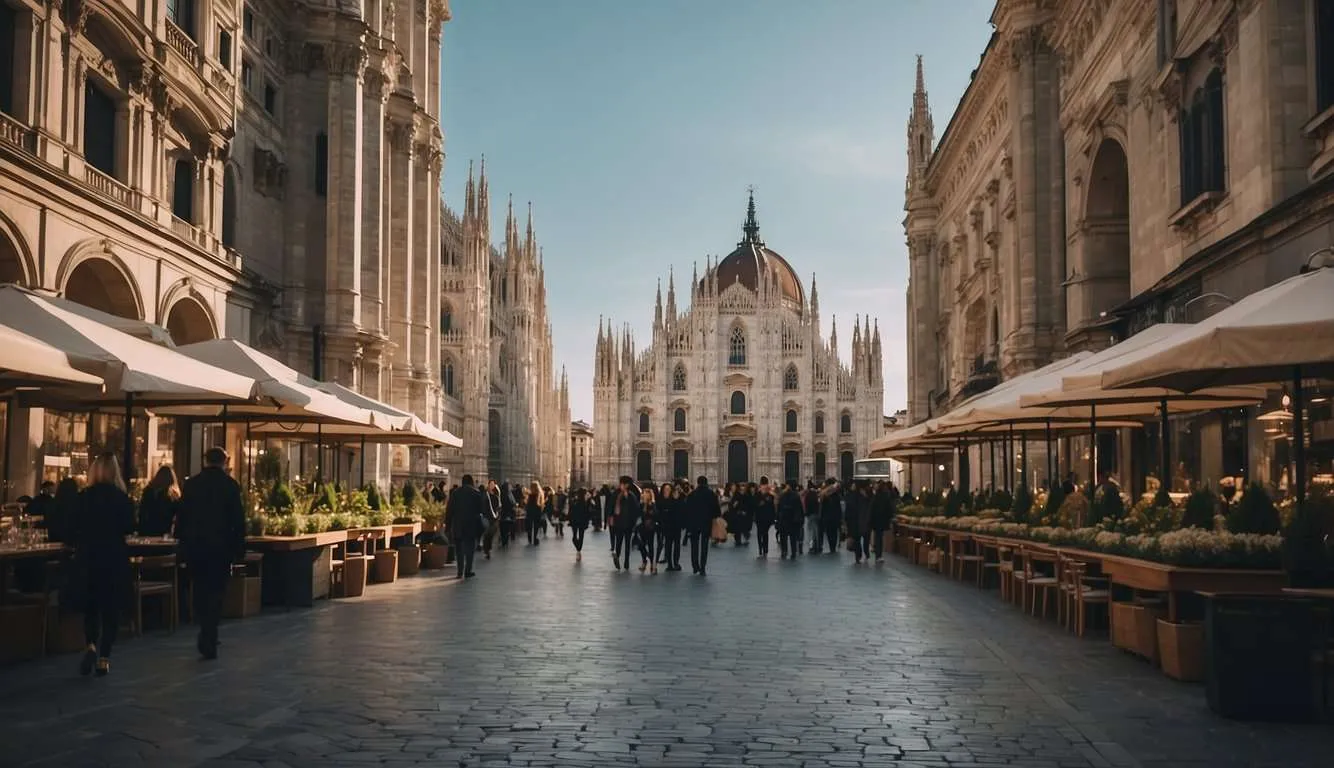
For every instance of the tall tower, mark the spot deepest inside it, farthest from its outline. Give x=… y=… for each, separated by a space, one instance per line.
x=472 y=316
x=923 y=352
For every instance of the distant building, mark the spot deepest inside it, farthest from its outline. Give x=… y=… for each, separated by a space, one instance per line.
x=896 y=420
x=581 y=453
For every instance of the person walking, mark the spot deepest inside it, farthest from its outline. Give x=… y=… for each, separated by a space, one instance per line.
x=492 y=518
x=766 y=515
x=159 y=504
x=103 y=518
x=646 y=533
x=627 y=510
x=857 y=520
x=831 y=513
x=211 y=529
x=701 y=509
x=580 y=515
x=508 y=513
x=814 y=528
x=560 y=510
x=670 y=514
x=790 y=520
x=882 y=514
x=532 y=510
x=465 y=520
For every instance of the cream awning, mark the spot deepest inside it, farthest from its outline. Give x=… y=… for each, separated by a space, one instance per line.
x=129 y=366
x=396 y=426
x=284 y=394
x=1265 y=337
x=25 y=361
x=1002 y=401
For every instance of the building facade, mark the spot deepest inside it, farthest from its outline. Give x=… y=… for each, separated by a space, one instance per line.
x=581 y=454
x=501 y=391
x=1109 y=164
x=259 y=170
x=738 y=385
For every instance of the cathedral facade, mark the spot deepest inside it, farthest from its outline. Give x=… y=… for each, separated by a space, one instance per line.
x=738 y=385
x=501 y=392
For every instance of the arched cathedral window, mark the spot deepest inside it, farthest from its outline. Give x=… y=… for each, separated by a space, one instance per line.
x=790 y=421
x=736 y=351
x=679 y=378
x=819 y=423
x=447 y=377
x=643 y=422
x=679 y=420
x=845 y=424
x=790 y=379
x=738 y=404
x=446 y=317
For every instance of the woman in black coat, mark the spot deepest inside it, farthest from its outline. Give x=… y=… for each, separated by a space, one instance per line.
x=766 y=514
x=670 y=523
x=581 y=514
x=160 y=504
x=105 y=516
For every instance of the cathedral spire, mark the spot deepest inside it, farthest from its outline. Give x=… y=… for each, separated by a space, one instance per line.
x=484 y=209
x=470 y=196
x=657 y=308
x=671 y=293
x=511 y=230
x=815 y=301
x=751 y=228
x=921 y=135
x=529 y=242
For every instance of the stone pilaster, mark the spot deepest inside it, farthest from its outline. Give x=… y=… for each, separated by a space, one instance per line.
x=343 y=221
x=373 y=146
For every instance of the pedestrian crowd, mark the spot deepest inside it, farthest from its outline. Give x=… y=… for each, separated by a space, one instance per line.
x=656 y=522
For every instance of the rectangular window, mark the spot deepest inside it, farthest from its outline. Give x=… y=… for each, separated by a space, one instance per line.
x=99 y=129
x=8 y=50
x=248 y=22
x=270 y=98
x=182 y=14
x=1324 y=55
x=321 y=163
x=247 y=75
x=268 y=42
x=183 y=190
x=225 y=49
x=1203 y=141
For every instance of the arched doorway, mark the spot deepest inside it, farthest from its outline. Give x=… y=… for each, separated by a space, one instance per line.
x=188 y=322
x=738 y=462
x=644 y=465
x=97 y=283
x=1104 y=252
x=792 y=467
x=845 y=466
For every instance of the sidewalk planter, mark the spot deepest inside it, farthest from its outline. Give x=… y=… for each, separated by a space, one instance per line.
x=22 y=632
x=1135 y=628
x=1261 y=655
x=242 y=597
x=356 y=570
x=435 y=556
x=386 y=566
x=409 y=560
x=296 y=569
x=1181 y=650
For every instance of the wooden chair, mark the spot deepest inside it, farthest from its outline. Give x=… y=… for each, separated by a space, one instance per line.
x=1019 y=578
x=1036 y=580
x=1004 y=567
x=162 y=566
x=1078 y=592
x=965 y=553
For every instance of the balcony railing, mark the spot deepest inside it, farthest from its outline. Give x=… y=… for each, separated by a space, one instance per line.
x=14 y=132
x=182 y=44
x=983 y=376
x=108 y=186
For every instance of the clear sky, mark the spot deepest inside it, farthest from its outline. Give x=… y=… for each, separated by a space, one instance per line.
x=635 y=126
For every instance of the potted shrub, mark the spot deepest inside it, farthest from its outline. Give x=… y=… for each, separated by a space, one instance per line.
x=373 y=499
x=281 y=497
x=1023 y=504
x=1254 y=513
x=1201 y=507
x=1308 y=547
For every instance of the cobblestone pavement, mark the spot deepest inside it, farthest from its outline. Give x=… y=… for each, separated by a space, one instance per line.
x=544 y=662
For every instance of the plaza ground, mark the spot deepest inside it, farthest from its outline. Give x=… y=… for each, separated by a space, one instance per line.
x=541 y=661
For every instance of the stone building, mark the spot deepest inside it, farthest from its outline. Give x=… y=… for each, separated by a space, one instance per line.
x=502 y=394
x=739 y=384
x=1108 y=164
x=261 y=170
x=581 y=454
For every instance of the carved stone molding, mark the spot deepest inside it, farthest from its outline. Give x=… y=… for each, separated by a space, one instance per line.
x=344 y=59
x=992 y=239
x=304 y=58
x=1027 y=44
x=1169 y=88
x=75 y=13
x=377 y=83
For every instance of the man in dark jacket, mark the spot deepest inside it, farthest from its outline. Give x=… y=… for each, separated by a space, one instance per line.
x=211 y=530
x=882 y=513
x=701 y=509
x=465 y=517
x=508 y=516
x=627 y=510
x=831 y=513
x=814 y=529
x=790 y=519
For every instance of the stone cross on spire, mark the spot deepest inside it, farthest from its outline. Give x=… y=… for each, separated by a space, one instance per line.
x=751 y=228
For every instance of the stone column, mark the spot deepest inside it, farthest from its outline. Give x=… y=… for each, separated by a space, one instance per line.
x=343 y=238
x=373 y=201
x=398 y=298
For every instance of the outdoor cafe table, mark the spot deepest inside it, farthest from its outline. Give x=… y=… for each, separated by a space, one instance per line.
x=10 y=554
x=296 y=568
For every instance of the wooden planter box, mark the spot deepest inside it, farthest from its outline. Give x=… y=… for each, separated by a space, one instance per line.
x=435 y=556
x=409 y=560
x=242 y=597
x=356 y=570
x=1181 y=650
x=385 y=569
x=22 y=632
x=1262 y=657
x=1135 y=628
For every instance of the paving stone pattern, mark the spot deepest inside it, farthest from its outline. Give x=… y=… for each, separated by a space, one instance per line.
x=544 y=662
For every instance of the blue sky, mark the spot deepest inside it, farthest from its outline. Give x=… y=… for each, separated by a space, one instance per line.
x=635 y=126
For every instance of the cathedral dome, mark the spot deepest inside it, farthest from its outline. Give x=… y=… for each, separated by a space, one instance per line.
x=752 y=259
